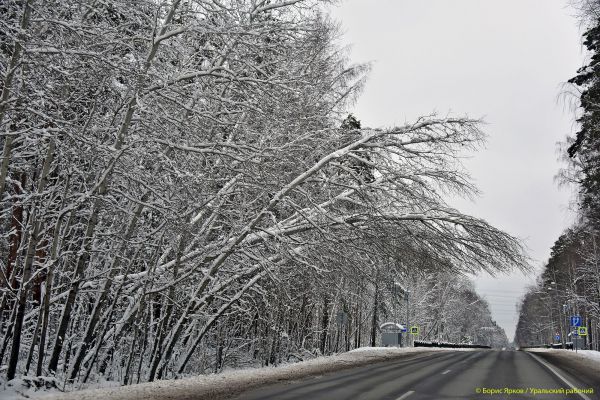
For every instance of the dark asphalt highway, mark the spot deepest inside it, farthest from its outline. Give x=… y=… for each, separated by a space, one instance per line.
x=485 y=374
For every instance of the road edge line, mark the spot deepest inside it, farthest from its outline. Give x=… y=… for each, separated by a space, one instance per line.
x=562 y=378
x=405 y=395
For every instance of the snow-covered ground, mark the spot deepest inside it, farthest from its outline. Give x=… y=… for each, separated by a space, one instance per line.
x=585 y=364
x=590 y=356
x=27 y=387
x=217 y=386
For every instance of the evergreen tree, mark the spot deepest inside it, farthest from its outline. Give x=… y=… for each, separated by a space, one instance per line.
x=362 y=169
x=586 y=146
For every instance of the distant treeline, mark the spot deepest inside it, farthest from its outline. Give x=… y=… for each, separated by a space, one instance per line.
x=420 y=343
x=569 y=285
x=568 y=346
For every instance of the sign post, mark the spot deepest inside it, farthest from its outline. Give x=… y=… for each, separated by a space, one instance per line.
x=576 y=323
x=582 y=332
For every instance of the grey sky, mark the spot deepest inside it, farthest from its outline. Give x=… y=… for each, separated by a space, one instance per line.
x=504 y=61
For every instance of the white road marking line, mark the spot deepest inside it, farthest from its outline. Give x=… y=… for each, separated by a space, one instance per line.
x=562 y=378
x=445 y=372
x=405 y=395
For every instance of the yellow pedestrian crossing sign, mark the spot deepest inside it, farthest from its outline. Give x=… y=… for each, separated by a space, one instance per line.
x=582 y=331
x=414 y=330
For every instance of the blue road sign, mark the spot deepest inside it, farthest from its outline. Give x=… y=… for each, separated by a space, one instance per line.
x=557 y=337
x=576 y=320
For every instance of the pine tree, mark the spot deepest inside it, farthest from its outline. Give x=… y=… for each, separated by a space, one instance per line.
x=586 y=146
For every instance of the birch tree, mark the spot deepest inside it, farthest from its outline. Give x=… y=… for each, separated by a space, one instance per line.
x=176 y=177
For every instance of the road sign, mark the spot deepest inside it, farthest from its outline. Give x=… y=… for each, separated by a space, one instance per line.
x=557 y=337
x=576 y=320
x=414 y=330
x=582 y=331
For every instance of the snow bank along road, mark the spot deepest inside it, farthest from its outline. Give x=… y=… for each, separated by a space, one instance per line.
x=384 y=373
x=484 y=374
x=230 y=383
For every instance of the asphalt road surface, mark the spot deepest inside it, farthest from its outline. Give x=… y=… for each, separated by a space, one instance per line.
x=485 y=374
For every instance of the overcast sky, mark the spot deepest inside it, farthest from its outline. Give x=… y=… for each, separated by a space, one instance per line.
x=503 y=60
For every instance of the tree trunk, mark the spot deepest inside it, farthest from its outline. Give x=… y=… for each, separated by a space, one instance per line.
x=49 y=278
x=6 y=87
x=95 y=315
x=324 y=324
x=375 y=317
x=74 y=289
x=34 y=342
x=27 y=270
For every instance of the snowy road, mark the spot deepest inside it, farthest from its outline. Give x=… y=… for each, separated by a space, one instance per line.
x=448 y=375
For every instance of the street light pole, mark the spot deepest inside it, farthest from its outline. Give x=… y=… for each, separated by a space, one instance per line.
x=544 y=290
x=560 y=320
x=551 y=324
x=566 y=321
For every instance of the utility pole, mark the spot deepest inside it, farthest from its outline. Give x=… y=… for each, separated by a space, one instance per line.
x=407 y=316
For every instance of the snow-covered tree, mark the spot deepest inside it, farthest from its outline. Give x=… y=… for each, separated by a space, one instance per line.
x=174 y=179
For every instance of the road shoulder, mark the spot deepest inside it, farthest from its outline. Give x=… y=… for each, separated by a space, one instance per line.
x=583 y=369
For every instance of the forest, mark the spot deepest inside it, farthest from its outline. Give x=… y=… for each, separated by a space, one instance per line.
x=183 y=189
x=569 y=284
